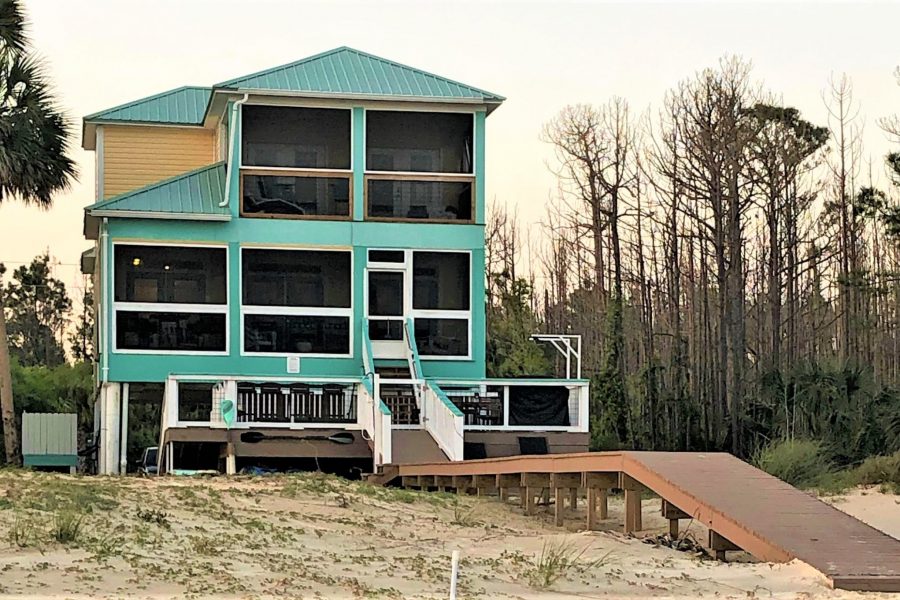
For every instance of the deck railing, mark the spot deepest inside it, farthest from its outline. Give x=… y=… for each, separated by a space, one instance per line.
x=486 y=405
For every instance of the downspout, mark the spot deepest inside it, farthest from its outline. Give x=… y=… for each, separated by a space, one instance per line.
x=104 y=316
x=231 y=135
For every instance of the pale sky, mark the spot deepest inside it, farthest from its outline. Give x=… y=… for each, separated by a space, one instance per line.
x=540 y=55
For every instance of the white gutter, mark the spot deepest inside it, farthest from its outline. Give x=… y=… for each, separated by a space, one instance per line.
x=231 y=134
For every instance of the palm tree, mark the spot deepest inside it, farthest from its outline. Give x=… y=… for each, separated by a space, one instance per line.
x=34 y=136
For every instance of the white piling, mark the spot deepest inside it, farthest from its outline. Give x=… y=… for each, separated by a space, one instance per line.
x=454 y=573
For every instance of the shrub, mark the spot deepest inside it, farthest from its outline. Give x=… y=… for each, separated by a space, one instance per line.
x=801 y=463
x=66 y=527
x=556 y=560
x=879 y=470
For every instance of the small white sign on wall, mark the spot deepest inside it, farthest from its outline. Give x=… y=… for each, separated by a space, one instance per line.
x=293 y=364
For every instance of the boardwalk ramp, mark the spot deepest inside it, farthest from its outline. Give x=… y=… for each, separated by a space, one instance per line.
x=742 y=506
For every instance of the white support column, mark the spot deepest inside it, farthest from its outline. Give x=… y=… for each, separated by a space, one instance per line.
x=109 y=429
x=123 y=436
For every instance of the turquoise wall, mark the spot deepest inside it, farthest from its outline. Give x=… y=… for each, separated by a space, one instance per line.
x=357 y=234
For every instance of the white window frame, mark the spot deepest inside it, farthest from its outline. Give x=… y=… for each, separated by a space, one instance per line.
x=407 y=268
x=167 y=307
x=296 y=311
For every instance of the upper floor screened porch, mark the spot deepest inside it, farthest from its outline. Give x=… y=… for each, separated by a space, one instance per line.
x=341 y=135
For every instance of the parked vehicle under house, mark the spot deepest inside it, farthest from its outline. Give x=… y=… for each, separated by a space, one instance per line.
x=300 y=252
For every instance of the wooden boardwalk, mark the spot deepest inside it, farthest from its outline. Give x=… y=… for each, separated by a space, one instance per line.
x=743 y=507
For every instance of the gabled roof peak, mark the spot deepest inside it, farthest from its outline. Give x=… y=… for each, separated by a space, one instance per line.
x=345 y=71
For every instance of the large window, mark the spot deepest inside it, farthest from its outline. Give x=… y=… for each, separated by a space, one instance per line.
x=295 y=162
x=419 y=166
x=170 y=298
x=296 y=301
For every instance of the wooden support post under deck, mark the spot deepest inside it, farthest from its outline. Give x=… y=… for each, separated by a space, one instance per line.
x=484 y=484
x=506 y=481
x=573 y=498
x=558 y=508
x=672 y=513
x=632 y=490
x=443 y=482
x=720 y=544
x=597 y=485
x=561 y=484
x=592 y=508
x=462 y=483
x=533 y=484
x=409 y=481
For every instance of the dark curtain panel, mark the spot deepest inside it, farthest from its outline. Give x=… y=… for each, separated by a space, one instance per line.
x=538 y=405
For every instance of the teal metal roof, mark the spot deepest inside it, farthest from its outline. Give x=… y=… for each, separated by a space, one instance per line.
x=193 y=195
x=182 y=106
x=345 y=71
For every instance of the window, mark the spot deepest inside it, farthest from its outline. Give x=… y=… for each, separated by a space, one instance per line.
x=317 y=278
x=300 y=196
x=442 y=337
x=195 y=401
x=294 y=334
x=305 y=138
x=296 y=301
x=414 y=199
x=173 y=275
x=170 y=331
x=419 y=166
x=441 y=303
x=422 y=142
x=295 y=162
x=441 y=281
x=170 y=298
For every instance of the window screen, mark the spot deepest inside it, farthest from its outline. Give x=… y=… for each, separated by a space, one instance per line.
x=300 y=196
x=144 y=330
x=441 y=280
x=167 y=274
x=442 y=337
x=422 y=142
x=281 y=136
x=296 y=334
x=296 y=278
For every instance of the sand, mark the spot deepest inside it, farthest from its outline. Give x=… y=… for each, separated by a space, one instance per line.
x=320 y=537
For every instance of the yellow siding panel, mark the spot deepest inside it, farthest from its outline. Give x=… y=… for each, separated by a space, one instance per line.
x=136 y=155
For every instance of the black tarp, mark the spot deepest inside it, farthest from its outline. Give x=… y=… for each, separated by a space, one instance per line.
x=538 y=405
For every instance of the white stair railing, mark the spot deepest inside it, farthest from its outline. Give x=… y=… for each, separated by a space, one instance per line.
x=443 y=420
x=377 y=412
